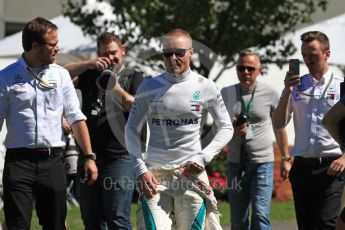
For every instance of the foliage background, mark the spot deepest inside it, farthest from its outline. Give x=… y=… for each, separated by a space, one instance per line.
x=216 y=171
x=225 y=27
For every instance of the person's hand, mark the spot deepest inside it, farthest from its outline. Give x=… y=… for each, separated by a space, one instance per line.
x=337 y=166
x=192 y=168
x=147 y=183
x=285 y=167
x=290 y=81
x=239 y=130
x=101 y=63
x=65 y=126
x=90 y=171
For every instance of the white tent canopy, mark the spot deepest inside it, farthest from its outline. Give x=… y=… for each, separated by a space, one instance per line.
x=71 y=40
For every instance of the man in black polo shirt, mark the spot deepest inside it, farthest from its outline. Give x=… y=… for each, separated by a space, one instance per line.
x=107 y=89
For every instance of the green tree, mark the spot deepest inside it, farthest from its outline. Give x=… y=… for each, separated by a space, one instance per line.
x=226 y=27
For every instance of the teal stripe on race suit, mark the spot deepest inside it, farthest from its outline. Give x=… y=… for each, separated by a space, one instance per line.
x=199 y=220
x=148 y=218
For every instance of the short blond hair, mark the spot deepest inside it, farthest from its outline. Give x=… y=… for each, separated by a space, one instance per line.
x=179 y=32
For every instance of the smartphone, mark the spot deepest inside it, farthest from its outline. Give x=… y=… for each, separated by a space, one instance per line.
x=294 y=67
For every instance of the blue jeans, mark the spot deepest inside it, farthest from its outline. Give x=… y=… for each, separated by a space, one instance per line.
x=254 y=188
x=109 y=199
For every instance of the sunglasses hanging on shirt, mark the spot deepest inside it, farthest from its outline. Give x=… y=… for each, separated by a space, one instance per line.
x=38 y=77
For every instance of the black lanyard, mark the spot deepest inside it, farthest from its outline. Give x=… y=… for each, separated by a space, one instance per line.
x=38 y=77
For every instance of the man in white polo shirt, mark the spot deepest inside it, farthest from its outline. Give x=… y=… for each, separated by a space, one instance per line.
x=35 y=94
x=316 y=190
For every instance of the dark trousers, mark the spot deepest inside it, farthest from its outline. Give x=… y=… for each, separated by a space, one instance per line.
x=316 y=195
x=29 y=178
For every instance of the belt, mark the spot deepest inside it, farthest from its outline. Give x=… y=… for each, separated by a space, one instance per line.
x=40 y=153
x=315 y=160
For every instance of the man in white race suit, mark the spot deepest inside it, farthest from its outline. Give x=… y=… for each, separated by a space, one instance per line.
x=173 y=104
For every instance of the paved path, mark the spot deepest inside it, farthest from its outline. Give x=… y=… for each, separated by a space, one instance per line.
x=286 y=225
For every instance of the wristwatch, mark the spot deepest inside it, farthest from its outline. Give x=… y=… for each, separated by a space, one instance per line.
x=284 y=158
x=90 y=156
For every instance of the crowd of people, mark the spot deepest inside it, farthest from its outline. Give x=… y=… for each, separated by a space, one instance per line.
x=39 y=104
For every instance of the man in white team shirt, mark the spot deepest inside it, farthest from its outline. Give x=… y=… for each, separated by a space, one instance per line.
x=173 y=104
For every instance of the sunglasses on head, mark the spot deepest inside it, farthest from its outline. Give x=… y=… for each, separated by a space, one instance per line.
x=178 y=52
x=242 y=68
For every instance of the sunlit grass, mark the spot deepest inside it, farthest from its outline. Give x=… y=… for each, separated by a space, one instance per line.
x=280 y=211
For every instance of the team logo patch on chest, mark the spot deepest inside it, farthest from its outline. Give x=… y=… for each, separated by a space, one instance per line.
x=195 y=106
x=196 y=95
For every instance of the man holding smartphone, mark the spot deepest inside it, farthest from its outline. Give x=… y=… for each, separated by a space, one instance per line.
x=316 y=190
x=251 y=160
